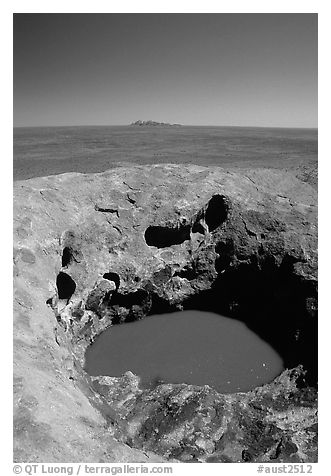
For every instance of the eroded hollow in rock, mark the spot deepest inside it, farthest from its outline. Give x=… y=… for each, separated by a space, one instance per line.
x=113 y=277
x=66 y=257
x=217 y=212
x=193 y=347
x=213 y=216
x=162 y=236
x=66 y=286
x=269 y=300
x=272 y=301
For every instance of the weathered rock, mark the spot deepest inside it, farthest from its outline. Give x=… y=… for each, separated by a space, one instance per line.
x=95 y=250
x=274 y=422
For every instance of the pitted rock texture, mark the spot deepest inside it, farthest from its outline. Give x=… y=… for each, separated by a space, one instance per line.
x=96 y=250
x=276 y=422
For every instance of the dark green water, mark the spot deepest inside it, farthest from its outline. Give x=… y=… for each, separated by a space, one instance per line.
x=191 y=346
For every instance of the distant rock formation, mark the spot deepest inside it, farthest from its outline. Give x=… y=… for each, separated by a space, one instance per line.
x=153 y=123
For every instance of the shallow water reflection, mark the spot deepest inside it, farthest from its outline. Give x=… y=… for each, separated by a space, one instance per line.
x=191 y=346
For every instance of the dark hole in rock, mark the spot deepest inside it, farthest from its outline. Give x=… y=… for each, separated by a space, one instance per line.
x=192 y=346
x=113 y=277
x=273 y=302
x=66 y=256
x=65 y=286
x=217 y=212
x=225 y=254
x=130 y=299
x=128 y=307
x=163 y=236
x=198 y=228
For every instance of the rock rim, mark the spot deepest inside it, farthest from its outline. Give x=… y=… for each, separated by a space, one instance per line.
x=94 y=250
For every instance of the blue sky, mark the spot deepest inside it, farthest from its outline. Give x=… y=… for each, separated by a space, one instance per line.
x=203 y=69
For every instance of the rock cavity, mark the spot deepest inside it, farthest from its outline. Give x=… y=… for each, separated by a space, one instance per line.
x=123 y=245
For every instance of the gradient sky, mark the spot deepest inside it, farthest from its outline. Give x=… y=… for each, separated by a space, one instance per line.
x=203 y=69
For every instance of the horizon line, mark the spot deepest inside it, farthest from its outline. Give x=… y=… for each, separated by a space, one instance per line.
x=165 y=125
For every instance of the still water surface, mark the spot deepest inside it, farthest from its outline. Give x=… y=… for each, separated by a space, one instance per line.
x=191 y=346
